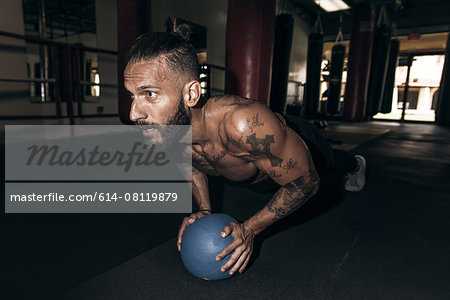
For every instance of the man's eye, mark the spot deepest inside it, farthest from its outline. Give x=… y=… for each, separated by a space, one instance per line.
x=131 y=96
x=150 y=94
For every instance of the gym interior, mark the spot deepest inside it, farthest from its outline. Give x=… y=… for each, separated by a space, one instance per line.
x=372 y=75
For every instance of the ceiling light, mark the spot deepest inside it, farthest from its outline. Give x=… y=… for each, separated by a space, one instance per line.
x=332 y=5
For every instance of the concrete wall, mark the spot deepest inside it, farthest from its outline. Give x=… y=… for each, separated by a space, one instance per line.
x=12 y=51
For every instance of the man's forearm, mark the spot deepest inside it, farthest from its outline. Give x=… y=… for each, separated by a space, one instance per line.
x=200 y=189
x=286 y=200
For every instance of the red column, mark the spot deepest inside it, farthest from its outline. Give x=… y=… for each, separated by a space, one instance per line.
x=133 y=18
x=249 y=47
x=359 y=58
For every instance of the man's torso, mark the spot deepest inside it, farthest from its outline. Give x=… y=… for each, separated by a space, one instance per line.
x=219 y=157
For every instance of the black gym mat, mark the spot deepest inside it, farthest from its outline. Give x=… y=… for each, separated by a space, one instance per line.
x=389 y=241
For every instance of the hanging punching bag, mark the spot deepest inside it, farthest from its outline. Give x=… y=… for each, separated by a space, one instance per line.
x=359 y=63
x=284 y=27
x=386 y=105
x=334 y=87
x=443 y=104
x=313 y=70
x=379 y=64
x=249 y=48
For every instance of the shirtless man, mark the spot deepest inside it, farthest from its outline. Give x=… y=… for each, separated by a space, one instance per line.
x=234 y=137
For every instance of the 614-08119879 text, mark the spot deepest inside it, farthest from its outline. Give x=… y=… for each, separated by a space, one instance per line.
x=138 y=197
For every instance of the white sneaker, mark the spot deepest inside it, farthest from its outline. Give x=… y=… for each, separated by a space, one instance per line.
x=356 y=181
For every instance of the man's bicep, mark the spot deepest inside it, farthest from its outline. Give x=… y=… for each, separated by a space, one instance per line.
x=293 y=157
x=274 y=148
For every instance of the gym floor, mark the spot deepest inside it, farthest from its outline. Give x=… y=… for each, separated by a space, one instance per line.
x=389 y=241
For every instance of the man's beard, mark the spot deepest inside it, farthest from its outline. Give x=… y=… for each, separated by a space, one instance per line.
x=180 y=117
x=170 y=134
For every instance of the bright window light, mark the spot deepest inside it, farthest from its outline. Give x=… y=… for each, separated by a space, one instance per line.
x=332 y=5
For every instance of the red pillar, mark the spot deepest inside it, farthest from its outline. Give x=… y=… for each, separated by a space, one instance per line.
x=133 y=18
x=249 y=47
x=359 y=58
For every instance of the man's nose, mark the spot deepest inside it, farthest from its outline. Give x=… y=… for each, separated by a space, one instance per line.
x=137 y=111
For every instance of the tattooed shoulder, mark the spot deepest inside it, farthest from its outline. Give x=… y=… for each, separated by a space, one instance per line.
x=239 y=101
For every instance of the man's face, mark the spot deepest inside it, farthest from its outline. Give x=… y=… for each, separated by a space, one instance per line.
x=157 y=100
x=156 y=93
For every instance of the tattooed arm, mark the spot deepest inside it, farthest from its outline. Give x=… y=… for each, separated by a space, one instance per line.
x=278 y=151
x=201 y=196
x=292 y=194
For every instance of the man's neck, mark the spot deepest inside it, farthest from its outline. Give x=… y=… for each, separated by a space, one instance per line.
x=199 y=126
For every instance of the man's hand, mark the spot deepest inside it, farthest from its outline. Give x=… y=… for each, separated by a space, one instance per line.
x=242 y=245
x=188 y=221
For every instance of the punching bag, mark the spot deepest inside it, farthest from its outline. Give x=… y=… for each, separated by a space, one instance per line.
x=378 y=68
x=249 y=48
x=313 y=70
x=386 y=104
x=443 y=104
x=284 y=27
x=334 y=86
x=359 y=63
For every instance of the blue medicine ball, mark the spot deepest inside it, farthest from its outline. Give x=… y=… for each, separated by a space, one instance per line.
x=200 y=244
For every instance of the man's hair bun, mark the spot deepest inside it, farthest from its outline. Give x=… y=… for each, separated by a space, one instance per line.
x=183 y=30
x=172 y=46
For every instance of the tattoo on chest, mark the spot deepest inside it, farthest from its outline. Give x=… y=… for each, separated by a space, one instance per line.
x=198 y=157
x=206 y=163
x=206 y=168
x=262 y=146
x=217 y=158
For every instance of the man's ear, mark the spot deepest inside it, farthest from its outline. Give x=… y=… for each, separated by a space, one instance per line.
x=192 y=93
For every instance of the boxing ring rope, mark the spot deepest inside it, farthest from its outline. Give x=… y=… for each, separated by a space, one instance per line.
x=65 y=65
